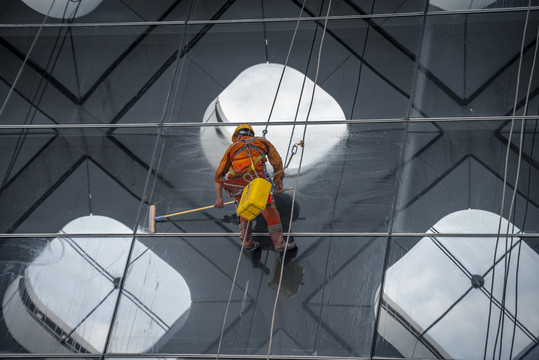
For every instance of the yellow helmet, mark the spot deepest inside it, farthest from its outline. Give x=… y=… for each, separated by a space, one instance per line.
x=243 y=129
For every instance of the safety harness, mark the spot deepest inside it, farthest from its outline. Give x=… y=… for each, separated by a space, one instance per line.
x=248 y=145
x=235 y=183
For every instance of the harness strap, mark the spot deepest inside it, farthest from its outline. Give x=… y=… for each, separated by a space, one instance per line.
x=251 y=168
x=248 y=144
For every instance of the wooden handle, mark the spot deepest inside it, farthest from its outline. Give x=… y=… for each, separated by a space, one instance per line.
x=162 y=217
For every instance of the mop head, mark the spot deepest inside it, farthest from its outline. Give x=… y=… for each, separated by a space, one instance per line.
x=151 y=219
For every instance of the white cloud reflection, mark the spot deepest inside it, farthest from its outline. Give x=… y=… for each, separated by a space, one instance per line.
x=428 y=290
x=249 y=99
x=67 y=296
x=63 y=9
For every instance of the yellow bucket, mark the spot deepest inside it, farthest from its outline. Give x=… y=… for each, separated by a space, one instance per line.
x=254 y=198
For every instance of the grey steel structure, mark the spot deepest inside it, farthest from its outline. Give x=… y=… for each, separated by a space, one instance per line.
x=415 y=209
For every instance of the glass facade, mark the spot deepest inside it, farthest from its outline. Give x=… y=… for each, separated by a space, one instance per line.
x=408 y=133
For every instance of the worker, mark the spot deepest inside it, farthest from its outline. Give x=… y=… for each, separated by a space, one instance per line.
x=242 y=162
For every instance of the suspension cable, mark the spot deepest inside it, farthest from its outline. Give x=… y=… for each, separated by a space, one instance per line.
x=513 y=198
x=230 y=296
x=517 y=267
x=265 y=131
x=296 y=184
x=248 y=224
x=505 y=184
x=38 y=96
x=16 y=80
x=22 y=137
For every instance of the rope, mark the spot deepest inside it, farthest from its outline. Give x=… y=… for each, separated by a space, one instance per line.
x=513 y=198
x=517 y=271
x=298 y=107
x=265 y=131
x=296 y=185
x=504 y=188
x=24 y=63
x=178 y=68
x=36 y=99
x=230 y=298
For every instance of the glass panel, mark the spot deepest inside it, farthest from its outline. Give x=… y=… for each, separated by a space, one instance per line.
x=469 y=175
x=365 y=68
x=15 y=43
x=59 y=294
x=85 y=75
x=113 y=11
x=91 y=11
x=107 y=62
x=325 y=307
x=347 y=186
x=362 y=7
x=63 y=174
x=437 y=290
x=450 y=5
x=472 y=71
x=377 y=67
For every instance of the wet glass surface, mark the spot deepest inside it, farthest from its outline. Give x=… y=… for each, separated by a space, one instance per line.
x=334 y=191
x=410 y=193
x=313 y=315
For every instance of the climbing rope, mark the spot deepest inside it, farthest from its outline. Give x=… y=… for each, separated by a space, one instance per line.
x=264 y=132
x=296 y=185
x=229 y=299
x=513 y=198
x=16 y=80
x=298 y=107
x=504 y=191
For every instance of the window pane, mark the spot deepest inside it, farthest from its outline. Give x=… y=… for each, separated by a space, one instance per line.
x=325 y=307
x=60 y=175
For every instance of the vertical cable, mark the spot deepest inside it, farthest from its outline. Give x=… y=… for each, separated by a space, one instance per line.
x=399 y=170
x=230 y=297
x=24 y=62
x=36 y=98
x=176 y=75
x=284 y=67
x=300 y=98
x=513 y=198
x=264 y=134
x=504 y=186
x=517 y=271
x=296 y=184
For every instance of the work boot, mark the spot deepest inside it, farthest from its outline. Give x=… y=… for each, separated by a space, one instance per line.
x=276 y=235
x=246 y=236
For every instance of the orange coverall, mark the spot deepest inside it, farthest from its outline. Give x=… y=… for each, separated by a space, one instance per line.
x=239 y=159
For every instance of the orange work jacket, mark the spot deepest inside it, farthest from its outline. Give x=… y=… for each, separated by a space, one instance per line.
x=245 y=152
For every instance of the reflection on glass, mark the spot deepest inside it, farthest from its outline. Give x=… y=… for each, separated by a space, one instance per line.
x=63 y=9
x=64 y=301
x=461 y=4
x=249 y=99
x=437 y=296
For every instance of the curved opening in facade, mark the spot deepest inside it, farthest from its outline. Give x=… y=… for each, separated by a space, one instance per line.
x=65 y=300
